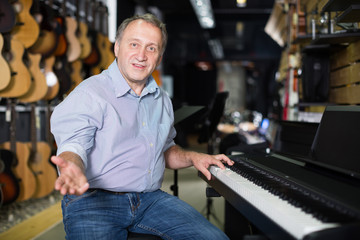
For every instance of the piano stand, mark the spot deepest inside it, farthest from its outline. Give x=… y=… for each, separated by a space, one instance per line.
x=208 y=209
x=239 y=227
x=211 y=192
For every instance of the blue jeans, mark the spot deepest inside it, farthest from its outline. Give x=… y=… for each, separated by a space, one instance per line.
x=101 y=215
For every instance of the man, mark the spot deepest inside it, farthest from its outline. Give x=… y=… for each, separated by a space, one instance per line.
x=115 y=136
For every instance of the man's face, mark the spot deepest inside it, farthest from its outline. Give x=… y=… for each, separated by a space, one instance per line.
x=138 y=51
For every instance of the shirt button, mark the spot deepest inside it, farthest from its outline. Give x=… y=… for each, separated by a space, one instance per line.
x=149 y=171
x=151 y=145
x=143 y=123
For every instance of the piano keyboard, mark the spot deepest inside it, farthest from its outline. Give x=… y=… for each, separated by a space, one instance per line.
x=259 y=191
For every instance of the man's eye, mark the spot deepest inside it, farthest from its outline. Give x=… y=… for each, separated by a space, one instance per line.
x=133 y=44
x=152 y=49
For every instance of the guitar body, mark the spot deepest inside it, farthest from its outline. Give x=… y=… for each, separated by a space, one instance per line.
x=100 y=40
x=4 y=68
x=94 y=57
x=75 y=75
x=22 y=170
x=45 y=173
x=62 y=70
x=74 y=48
x=109 y=49
x=47 y=41
x=38 y=87
x=8 y=18
x=9 y=182
x=27 y=32
x=62 y=42
x=103 y=42
x=21 y=79
x=52 y=81
x=84 y=40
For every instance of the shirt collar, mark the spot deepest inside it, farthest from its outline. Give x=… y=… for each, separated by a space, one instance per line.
x=122 y=87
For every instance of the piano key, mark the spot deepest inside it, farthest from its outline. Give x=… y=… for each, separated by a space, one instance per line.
x=291 y=219
x=290 y=192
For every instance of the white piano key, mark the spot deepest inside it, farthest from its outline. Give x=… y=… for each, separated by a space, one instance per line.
x=292 y=219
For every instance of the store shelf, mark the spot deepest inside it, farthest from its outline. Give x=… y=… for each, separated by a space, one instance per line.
x=303 y=39
x=337 y=38
x=322 y=48
x=350 y=15
x=338 y=5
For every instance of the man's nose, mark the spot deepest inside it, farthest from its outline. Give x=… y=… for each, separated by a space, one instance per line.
x=141 y=56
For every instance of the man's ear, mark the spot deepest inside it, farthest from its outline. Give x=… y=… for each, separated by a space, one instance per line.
x=116 y=48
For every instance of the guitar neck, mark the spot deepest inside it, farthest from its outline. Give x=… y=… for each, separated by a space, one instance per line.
x=12 y=109
x=33 y=120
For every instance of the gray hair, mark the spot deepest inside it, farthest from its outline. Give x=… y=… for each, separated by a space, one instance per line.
x=149 y=18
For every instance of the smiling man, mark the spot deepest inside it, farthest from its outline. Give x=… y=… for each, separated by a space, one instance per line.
x=115 y=136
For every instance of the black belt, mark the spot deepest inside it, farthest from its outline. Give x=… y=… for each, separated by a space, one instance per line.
x=106 y=191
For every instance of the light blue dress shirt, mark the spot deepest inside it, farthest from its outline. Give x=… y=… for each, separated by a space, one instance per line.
x=121 y=137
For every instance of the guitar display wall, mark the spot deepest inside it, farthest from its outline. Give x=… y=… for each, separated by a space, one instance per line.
x=48 y=47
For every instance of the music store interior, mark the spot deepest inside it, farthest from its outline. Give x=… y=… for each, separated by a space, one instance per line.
x=274 y=84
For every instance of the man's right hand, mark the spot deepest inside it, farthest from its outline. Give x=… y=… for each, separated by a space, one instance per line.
x=72 y=179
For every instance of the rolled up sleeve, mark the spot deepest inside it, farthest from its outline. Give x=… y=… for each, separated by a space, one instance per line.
x=74 y=123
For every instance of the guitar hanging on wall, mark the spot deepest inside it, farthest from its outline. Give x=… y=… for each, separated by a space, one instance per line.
x=47 y=41
x=39 y=159
x=20 y=164
x=20 y=75
x=7 y=16
x=8 y=181
x=26 y=29
x=4 y=67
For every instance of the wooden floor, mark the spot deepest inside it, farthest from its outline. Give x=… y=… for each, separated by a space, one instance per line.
x=31 y=227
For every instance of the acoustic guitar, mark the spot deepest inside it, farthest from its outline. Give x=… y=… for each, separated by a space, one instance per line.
x=75 y=75
x=52 y=81
x=39 y=160
x=48 y=135
x=48 y=39
x=62 y=69
x=20 y=165
x=104 y=45
x=38 y=87
x=107 y=44
x=26 y=29
x=20 y=75
x=74 y=48
x=8 y=17
x=82 y=31
x=62 y=41
x=93 y=58
x=8 y=181
x=1 y=191
x=4 y=67
x=100 y=40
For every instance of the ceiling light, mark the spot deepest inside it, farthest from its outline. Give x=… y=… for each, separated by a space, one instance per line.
x=204 y=13
x=241 y=3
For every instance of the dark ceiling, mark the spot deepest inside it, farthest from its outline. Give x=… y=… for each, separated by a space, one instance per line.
x=189 y=42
